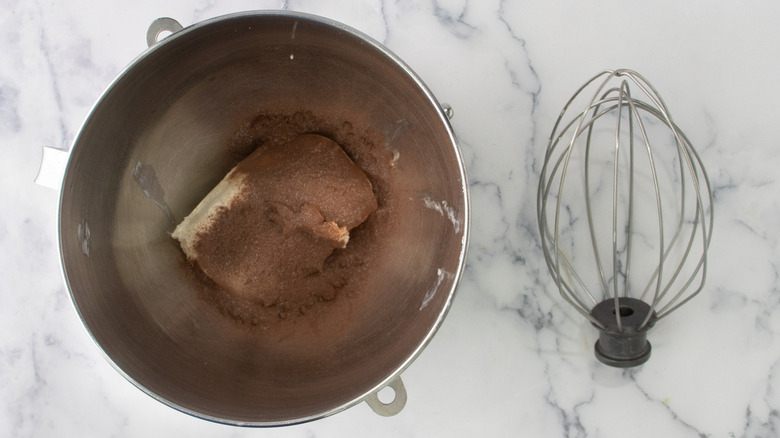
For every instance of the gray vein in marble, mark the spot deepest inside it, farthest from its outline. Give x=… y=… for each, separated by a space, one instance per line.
x=200 y=13
x=631 y=373
x=765 y=311
x=499 y=246
x=493 y=190
x=720 y=187
x=567 y=411
x=771 y=306
x=38 y=384
x=529 y=310
x=570 y=418
x=64 y=141
x=455 y=24
x=535 y=91
x=9 y=114
x=755 y=426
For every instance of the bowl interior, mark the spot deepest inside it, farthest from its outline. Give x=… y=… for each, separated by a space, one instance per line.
x=157 y=142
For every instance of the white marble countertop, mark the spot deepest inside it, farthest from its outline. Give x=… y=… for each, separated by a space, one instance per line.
x=511 y=359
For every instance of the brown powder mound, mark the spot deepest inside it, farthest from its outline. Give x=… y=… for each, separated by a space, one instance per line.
x=345 y=282
x=269 y=226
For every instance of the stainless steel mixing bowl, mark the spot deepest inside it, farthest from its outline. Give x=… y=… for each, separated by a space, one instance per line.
x=154 y=145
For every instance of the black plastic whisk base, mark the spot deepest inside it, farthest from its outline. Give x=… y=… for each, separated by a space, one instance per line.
x=623 y=344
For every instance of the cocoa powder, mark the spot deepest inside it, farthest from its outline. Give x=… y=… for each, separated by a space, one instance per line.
x=295 y=288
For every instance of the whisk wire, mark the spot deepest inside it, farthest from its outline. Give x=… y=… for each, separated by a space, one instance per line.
x=588 y=209
x=660 y=215
x=566 y=291
x=630 y=225
x=543 y=193
x=553 y=187
x=700 y=222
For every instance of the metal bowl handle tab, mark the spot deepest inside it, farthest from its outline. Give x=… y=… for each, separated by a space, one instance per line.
x=392 y=407
x=52 y=170
x=160 y=26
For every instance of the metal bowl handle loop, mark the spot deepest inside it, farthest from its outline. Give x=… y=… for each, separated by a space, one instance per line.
x=160 y=26
x=392 y=407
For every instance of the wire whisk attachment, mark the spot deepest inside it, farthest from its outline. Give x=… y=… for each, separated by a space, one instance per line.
x=625 y=212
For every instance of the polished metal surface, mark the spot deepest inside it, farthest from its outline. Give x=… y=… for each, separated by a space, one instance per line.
x=154 y=145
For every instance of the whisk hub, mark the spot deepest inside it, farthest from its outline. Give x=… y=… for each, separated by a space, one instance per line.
x=623 y=339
